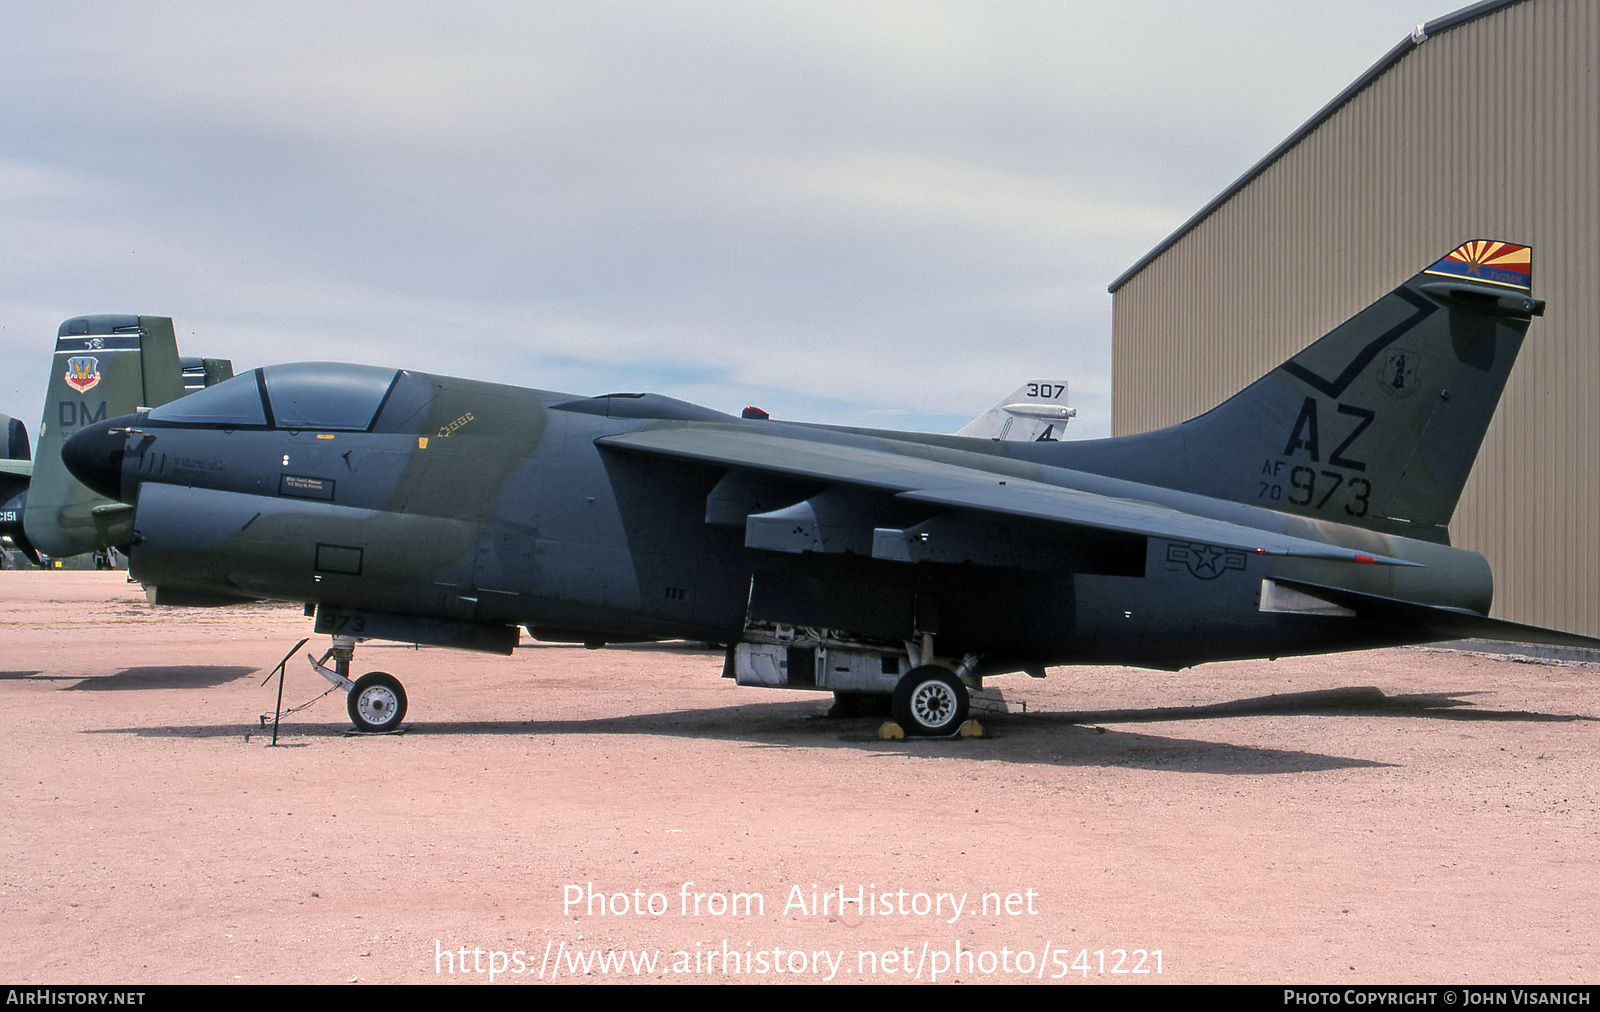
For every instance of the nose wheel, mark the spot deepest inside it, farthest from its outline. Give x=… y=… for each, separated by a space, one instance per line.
x=376 y=701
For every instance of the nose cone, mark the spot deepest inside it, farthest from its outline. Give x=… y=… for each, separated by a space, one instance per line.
x=94 y=455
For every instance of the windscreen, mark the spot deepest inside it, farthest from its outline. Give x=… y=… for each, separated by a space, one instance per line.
x=302 y=395
x=234 y=402
x=326 y=395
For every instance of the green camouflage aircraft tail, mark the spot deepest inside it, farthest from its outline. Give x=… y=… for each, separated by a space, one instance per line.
x=104 y=366
x=16 y=470
x=1377 y=424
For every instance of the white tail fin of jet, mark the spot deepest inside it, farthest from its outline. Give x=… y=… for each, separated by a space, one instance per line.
x=1033 y=413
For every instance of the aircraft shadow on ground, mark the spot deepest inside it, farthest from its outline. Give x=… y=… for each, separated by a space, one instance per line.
x=1355 y=701
x=164 y=676
x=1061 y=739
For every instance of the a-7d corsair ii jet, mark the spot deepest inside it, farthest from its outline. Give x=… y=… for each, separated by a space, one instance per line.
x=1306 y=514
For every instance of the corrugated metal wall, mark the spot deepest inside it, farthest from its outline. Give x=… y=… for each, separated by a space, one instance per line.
x=1490 y=130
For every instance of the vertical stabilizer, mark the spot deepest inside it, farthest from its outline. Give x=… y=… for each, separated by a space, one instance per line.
x=16 y=470
x=1035 y=412
x=1378 y=423
x=104 y=366
x=13 y=439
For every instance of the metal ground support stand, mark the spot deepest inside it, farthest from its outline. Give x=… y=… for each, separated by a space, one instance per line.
x=280 y=671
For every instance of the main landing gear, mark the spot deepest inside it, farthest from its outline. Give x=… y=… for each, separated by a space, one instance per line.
x=925 y=693
x=376 y=701
x=930 y=701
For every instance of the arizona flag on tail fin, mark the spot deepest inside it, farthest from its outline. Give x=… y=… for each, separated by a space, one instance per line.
x=1492 y=263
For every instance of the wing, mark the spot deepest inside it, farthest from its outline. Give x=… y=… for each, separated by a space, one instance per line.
x=918 y=473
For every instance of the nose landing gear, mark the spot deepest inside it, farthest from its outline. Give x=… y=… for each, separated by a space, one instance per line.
x=376 y=701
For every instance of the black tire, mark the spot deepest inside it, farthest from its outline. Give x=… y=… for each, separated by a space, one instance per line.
x=862 y=704
x=930 y=701
x=377 y=703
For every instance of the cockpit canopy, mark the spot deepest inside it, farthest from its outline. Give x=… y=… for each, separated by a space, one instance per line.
x=332 y=396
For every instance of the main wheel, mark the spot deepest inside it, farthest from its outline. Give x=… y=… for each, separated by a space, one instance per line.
x=377 y=703
x=930 y=701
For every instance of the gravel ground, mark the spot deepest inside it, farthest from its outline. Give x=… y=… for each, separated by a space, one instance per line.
x=1391 y=816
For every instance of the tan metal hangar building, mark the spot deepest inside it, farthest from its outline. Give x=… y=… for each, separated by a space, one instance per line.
x=1484 y=124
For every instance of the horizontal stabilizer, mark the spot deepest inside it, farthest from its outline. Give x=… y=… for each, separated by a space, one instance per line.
x=1441 y=623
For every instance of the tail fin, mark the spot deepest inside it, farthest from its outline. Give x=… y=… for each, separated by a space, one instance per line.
x=13 y=439
x=199 y=373
x=104 y=366
x=1378 y=423
x=1034 y=413
x=16 y=469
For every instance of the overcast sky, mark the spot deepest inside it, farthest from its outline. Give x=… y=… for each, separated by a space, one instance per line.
x=884 y=214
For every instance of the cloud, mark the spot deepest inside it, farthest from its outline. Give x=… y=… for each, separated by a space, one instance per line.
x=853 y=211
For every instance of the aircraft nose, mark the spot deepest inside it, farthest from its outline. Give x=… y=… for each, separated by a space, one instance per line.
x=93 y=455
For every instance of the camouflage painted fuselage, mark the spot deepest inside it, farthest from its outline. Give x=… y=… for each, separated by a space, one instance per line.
x=1305 y=514
x=489 y=507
